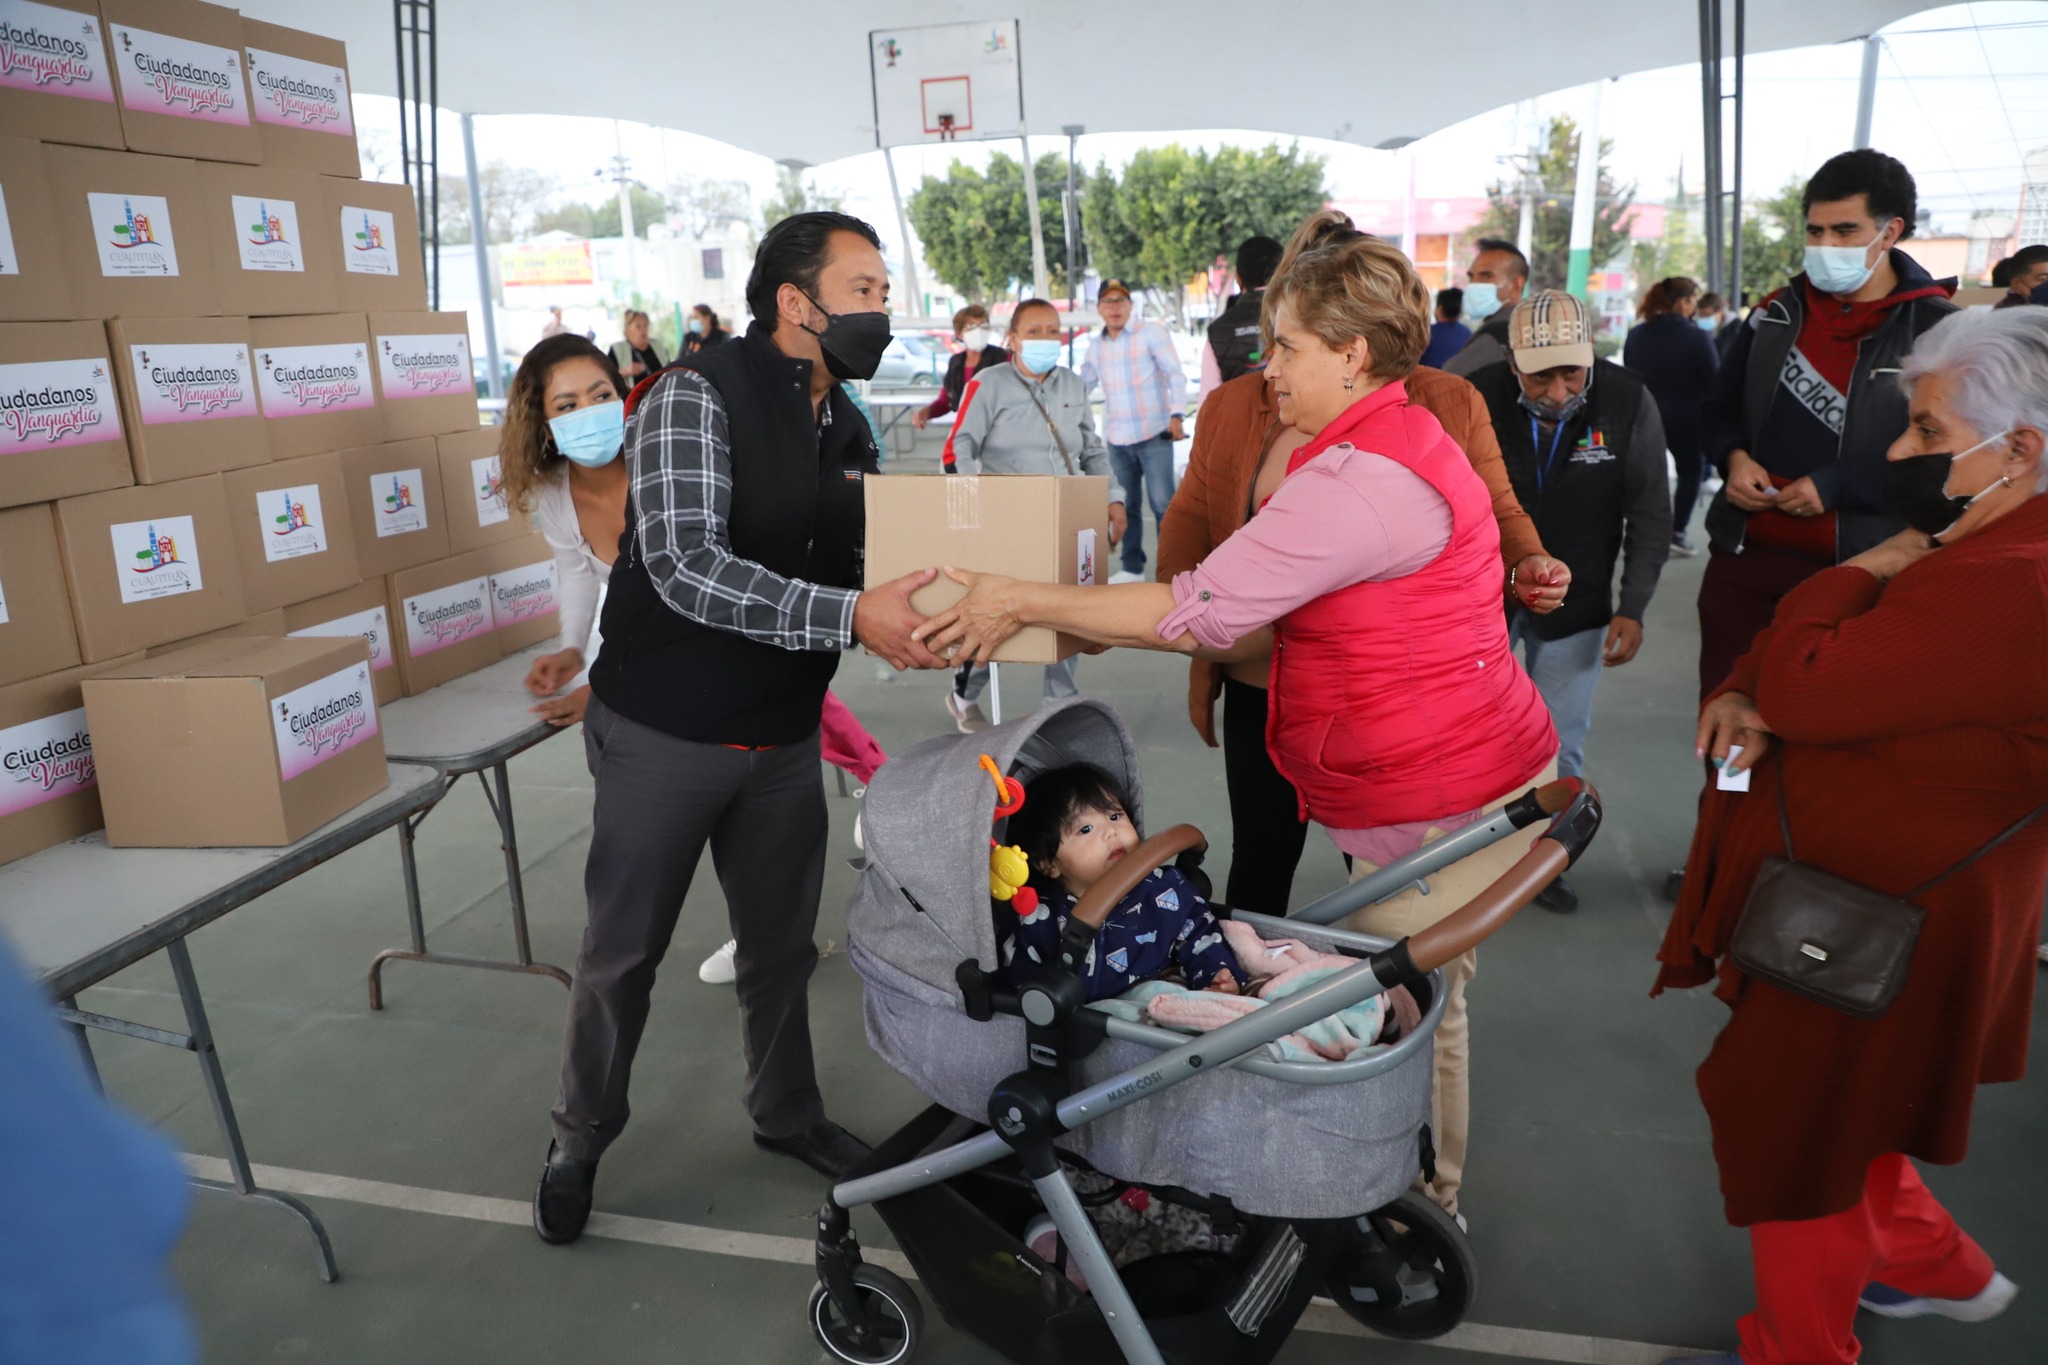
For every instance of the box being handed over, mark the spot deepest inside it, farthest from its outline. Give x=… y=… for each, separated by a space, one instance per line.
x=1031 y=526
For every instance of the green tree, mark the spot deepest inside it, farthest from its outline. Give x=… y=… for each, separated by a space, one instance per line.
x=1680 y=251
x=794 y=193
x=1773 y=240
x=601 y=219
x=975 y=226
x=1557 y=167
x=514 y=197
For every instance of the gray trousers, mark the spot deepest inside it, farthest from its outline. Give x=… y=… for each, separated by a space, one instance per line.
x=660 y=800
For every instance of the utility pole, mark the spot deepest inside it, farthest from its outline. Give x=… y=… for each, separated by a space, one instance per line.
x=1532 y=183
x=917 y=307
x=1039 y=287
x=622 y=172
x=1073 y=132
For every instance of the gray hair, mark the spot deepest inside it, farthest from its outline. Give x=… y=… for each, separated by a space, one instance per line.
x=1998 y=362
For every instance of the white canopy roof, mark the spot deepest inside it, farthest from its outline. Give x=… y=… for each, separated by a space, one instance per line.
x=790 y=79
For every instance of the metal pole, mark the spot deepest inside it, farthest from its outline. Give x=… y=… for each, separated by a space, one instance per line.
x=1735 y=241
x=1866 y=89
x=431 y=176
x=626 y=227
x=483 y=259
x=1530 y=130
x=1710 y=128
x=1585 y=200
x=1073 y=206
x=918 y=308
x=1039 y=287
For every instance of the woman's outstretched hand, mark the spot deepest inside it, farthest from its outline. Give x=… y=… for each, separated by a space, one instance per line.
x=1728 y=720
x=976 y=626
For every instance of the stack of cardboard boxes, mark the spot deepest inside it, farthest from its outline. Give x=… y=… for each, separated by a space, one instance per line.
x=225 y=411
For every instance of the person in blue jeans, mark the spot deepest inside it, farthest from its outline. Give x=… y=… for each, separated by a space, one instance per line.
x=1143 y=394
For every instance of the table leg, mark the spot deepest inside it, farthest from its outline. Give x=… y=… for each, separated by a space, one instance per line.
x=408 y=866
x=68 y=1016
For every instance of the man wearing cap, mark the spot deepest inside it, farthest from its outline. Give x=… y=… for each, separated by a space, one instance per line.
x=1143 y=388
x=1584 y=449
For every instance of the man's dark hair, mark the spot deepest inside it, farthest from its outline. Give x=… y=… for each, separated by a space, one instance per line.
x=1711 y=302
x=1883 y=181
x=1257 y=259
x=2026 y=258
x=793 y=252
x=711 y=314
x=1485 y=244
x=2001 y=274
x=1051 y=800
x=1450 y=302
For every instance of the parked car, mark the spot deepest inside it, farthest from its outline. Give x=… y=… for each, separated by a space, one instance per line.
x=910 y=362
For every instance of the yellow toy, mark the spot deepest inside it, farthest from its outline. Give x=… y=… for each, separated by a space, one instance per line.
x=1008 y=871
x=1008 y=868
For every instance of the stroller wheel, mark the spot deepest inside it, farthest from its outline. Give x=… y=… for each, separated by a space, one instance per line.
x=1409 y=1272
x=897 y=1316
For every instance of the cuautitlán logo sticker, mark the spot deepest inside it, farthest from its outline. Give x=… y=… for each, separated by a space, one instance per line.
x=193 y=382
x=45 y=759
x=487 y=485
x=373 y=625
x=395 y=502
x=291 y=522
x=323 y=720
x=294 y=93
x=424 y=366
x=180 y=78
x=298 y=380
x=369 y=241
x=447 y=616
x=267 y=233
x=523 y=593
x=156 y=558
x=53 y=51
x=133 y=234
x=10 y=262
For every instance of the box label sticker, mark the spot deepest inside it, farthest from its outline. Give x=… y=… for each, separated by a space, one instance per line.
x=133 y=233
x=292 y=92
x=156 y=558
x=163 y=74
x=487 y=486
x=394 y=502
x=46 y=404
x=298 y=380
x=523 y=594
x=324 y=719
x=369 y=242
x=10 y=263
x=447 y=616
x=46 y=759
x=3 y=604
x=373 y=625
x=53 y=51
x=1084 y=558
x=291 y=522
x=267 y=233
x=424 y=366
x=193 y=382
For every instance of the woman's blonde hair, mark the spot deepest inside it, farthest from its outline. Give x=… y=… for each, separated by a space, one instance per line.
x=632 y=315
x=526 y=447
x=1343 y=284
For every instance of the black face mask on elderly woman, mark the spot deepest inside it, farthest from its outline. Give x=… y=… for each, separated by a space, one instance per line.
x=1917 y=488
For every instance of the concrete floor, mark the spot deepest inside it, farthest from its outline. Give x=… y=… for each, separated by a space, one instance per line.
x=1591 y=1188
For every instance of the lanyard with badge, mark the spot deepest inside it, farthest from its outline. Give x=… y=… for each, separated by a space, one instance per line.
x=1545 y=466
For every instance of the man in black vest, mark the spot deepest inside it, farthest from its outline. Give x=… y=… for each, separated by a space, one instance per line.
x=1584 y=448
x=1233 y=347
x=733 y=595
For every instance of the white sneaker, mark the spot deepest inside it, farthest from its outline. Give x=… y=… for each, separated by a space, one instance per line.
x=1122 y=576
x=1988 y=1303
x=717 y=970
x=968 y=716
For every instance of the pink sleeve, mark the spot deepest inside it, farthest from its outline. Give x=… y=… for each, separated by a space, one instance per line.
x=1345 y=517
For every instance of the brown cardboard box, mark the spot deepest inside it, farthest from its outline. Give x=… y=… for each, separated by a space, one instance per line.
x=60 y=413
x=363 y=611
x=394 y=505
x=1030 y=526
x=33 y=285
x=473 y=491
x=264 y=623
x=188 y=396
x=424 y=382
x=64 y=91
x=178 y=69
x=441 y=620
x=49 y=787
x=36 y=634
x=377 y=230
x=148 y=565
x=298 y=92
x=235 y=743
x=314 y=376
x=293 y=535
x=263 y=226
x=526 y=593
x=131 y=235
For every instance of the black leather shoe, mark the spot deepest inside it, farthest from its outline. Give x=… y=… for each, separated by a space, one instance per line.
x=1558 y=897
x=1674 y=885
x=825 y=1147
x=561 y=1206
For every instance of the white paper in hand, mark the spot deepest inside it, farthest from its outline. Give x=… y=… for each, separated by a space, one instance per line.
x=1728 y=781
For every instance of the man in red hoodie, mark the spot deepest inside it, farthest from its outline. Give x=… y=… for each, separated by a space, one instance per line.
x=1808 y=401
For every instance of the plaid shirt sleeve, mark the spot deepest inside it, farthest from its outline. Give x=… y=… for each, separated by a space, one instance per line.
x=680 y=460
x=1173 y=381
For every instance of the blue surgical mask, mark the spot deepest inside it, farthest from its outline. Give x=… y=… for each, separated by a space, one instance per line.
x=696 y=326
x=1707 y=324
x=591 y=436
x=1839 y=269
x=1482 y=300
x=1039 y=357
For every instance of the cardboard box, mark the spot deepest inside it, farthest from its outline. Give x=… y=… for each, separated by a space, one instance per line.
x=473 y=492
x=293 y=536
x=262 y=227
x=361 y=611
x=425 y=385
x=33 y=286
x=314 y=377
x=148 y=565
x=299 y=96
x=264 y=624
x=49 y=785
x=129 y=226
x=526 y=592
x=188 y=396
x=1030 y=526
x=36 y=634
x=178 y=70
x=377 y=232
x=60 y=413
x=235 y=743
x=441 y=620
x=394 y=505
x=63 y=88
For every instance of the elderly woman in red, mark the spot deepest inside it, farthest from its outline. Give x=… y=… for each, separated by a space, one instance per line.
x=1397 y=711
x=1897 y=703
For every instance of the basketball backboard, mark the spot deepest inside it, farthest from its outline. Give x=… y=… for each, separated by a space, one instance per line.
x=946 y=82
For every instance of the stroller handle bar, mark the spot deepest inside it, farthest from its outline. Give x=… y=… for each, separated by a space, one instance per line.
x=1141 y=862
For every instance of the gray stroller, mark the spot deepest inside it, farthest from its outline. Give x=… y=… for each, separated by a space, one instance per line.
x=1298 y=1175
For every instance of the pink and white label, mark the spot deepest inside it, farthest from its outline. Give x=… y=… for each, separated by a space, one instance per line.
x=45 y=760
x=53 y=52
x=50 y=404
x=324 y=719
x=431 y=366
x=524 y=593
x=297 y=380
x=267 y=234
x=163 y=74
x=369 y=241
x=395 y=502
x=156 y=558
x=291 y=523
x=292 y=92
x=487 y=487
x=447 y=616
x=193 y=382
x=373 y=625
x=133 y=234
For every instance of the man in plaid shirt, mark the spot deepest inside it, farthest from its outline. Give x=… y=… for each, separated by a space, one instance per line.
x=1143 y=387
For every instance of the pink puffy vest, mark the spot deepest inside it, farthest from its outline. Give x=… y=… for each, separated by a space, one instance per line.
x=1401 y=701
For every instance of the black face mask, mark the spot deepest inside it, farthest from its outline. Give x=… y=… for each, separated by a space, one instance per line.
x=1916 y=489
x=852 y=342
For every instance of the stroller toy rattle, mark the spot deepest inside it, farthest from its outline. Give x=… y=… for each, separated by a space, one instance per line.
x=1008 y=868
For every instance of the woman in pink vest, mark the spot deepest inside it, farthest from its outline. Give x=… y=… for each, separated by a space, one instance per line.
x=1372 y=576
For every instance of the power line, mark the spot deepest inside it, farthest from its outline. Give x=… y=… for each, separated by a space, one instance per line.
x=1992 y=72
x=1932 y=127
